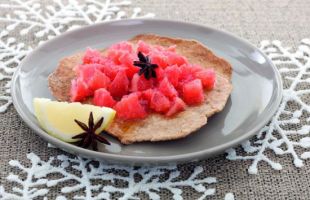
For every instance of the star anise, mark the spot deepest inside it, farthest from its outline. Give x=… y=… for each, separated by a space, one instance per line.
x=89 y=136
x=147 y=68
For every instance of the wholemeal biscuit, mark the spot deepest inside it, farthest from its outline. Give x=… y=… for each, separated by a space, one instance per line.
x=157 y=127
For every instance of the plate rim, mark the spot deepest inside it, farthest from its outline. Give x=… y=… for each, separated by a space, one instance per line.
x=146 y=159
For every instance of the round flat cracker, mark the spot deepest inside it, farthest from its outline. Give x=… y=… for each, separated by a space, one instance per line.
x=157 y=127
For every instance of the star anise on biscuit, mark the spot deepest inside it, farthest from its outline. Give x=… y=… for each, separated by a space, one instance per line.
x=146 y=67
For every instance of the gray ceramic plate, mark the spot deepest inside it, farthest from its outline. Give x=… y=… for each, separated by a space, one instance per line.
x=255 y=97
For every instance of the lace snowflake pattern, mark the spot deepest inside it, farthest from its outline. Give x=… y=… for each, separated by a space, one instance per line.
x=289 y=128
x=147 y=180
x=11 y=54
x=54 y=19
x=30 y=18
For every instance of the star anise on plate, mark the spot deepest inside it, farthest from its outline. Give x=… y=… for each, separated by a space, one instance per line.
x=89 y=136
x=146 y=67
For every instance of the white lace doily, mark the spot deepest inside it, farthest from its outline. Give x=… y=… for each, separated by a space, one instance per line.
x=37 y=176
x=30 y=18
x=286 y=132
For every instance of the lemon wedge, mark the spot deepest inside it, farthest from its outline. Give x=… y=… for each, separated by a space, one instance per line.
x=57 y=118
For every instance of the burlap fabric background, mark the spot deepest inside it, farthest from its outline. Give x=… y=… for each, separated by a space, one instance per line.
x=284 y=20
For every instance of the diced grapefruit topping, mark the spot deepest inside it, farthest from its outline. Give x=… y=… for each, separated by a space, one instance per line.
x=159 y=102
x=167 y=88
x=143 y=47
x=147 y=95
x=140 y=83
x=85 y=72
x=79 y=90
x=92 y=56
x=195 y=69
x=193 y=92
x=173 y=73
x=129 y=107
x=207 y=77
x=114 y=80
x=122 y=46
x=172 y=48
x=127 y=61
x=117 y=51
x=110 y=69
x=93 y=77
x=160 y=73
x=102 y=97
x=119 y=86
x=177 y=106
x=99 y=80
x=175 y=59
x=186 y=74
x=159 y=59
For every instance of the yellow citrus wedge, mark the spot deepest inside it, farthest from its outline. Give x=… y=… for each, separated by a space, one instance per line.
x=57 y=118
